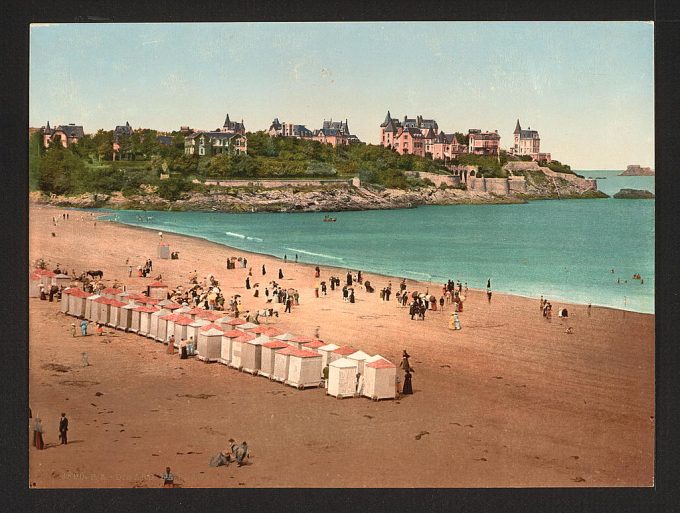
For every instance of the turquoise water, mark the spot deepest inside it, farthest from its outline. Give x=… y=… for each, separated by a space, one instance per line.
x=563 y=250
x=614 y=183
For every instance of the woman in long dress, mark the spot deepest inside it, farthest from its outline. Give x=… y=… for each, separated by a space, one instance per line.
x=38 y=435
x=407 y=389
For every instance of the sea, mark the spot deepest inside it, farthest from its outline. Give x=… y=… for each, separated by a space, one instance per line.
x=580 y=251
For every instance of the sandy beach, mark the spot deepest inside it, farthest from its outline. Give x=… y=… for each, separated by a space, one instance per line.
x=510 y=400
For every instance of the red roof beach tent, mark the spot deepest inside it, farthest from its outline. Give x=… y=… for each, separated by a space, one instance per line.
x=181 y=329
x=281 y=364
x=145 y=320
x=194 y=328
x=163 y=330
x=237 y=349
x=251 y=354
x=304 y=369
x=104 y=309
x=209 y=345
x=125 y=321
x=342 y=378
x=76 y=302
x=360 y=357
x=379 y=379
x=340 y=352
x=300 y=340
x=314 y=345
x=110 y=292
x=91 y=307
x=34 y=283
x=114 y=313
x=153 y=329
x=269 y=349
x=325 y=351
x=227 y=338
x=61 y=280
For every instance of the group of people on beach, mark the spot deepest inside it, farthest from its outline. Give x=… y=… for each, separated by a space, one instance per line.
x=38 y=431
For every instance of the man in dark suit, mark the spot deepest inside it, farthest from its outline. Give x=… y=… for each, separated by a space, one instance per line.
x=63 y=429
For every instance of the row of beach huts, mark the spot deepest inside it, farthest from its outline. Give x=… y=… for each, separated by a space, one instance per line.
x=257 y=349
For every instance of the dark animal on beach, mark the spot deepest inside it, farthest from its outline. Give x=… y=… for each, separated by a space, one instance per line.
x=96 y=274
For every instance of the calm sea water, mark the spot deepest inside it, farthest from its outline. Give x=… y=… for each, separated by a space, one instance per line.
x=564 y=250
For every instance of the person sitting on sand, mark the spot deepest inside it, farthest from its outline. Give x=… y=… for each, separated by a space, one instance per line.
x=240 y=451
x=168 y=479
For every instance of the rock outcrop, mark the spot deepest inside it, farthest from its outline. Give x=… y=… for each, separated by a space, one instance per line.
x=636 y=170
x=634 y=194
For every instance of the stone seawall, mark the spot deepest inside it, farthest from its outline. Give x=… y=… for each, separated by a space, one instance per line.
x=272 y=184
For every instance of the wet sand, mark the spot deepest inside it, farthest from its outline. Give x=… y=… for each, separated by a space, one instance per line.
x=511 y=400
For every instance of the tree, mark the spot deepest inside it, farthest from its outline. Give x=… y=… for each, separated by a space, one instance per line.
x=59 y=170
x=35 y=153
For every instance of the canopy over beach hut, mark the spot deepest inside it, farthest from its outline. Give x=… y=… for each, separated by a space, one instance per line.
x=304 y=369
x=360 y=357
x=157 y=290
x=342 y=378
x=163 y=251
x=269 y=349
x=61 y=280
x=110 y=292
x=251 y=354
x=314 y=345
x=145 y=320
x=340 y=352
x=325 y=351
x=209 y=345
x=379 y=379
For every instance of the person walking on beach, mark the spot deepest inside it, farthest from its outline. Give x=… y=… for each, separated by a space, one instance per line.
x=408 y=388
x=441 y=304
x=264 y=271
x=63 y=429
x=129 y=271
x=488 y=295
x=296 y=258
x=280 y=274
x=73 y=329
x=285 y=258
x=289 y=304
x=38 y=442
x=83 y=327
x=248 y=282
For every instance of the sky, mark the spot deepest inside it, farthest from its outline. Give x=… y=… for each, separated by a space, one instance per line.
x=587 y=87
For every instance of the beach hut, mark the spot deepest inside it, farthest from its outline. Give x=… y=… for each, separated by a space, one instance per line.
x=269 y=331
x=163 y=251
x=67 y=301
x=46 y=277
x=222 y=322
x=251 y=354
x=114 y=314
x=125 y=320
x=63 y=306
x=281 y=364
x=304 y=369
x=136 y=318
x=340 y=352
x=236 y=322
x=34 y=285
x=77 y=302
x=193 y=329
x=61 y=280
x=162 y=330
x=91 y=307
x=314 y=345
x=360 y=357
x=237 y=349
x=325 y=351
x=269 y=349
x=209 y=345
x=300 y=340
x=181 y=328
x=227 y=337
x=110 y=292
x=104 y=310
x=157 y=290
x=211 y=315
x=145 y=320
x=285 y=337
x=342 y=378
x=160 y=312
x=193 y=313
x=379 y=379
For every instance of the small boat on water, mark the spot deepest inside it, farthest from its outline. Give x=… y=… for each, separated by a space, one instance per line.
x=328 y=219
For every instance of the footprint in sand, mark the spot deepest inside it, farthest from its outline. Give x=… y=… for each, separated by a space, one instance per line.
x=578 y=479
x=368 y=416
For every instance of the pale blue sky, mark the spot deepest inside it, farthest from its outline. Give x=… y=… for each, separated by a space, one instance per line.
x=588 y=88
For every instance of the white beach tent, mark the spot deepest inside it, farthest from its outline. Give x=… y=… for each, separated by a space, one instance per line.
x=125 y=320
x=314 y=345
x=63 y=306
x=46 y=277
x=325 y=351
x=340 y=352
x=61 y=280
x=163 y=251
x=135 y=318
x=227 y=337
x=236 y=322
x=251 y=354
x=160 y=312
x=181 y=329
x=237 y=349
x=360 y=357
x=209 y=345
x=379 y=379
x=104 y=310
x=304 y=369
x=114 y=313
x=248 y=326
x=91 y=307
x=269 y=349
x=34 y=286
x=222 y=322
x=157 y=290
x=281 y=364
x=342 y=376
x=285 y=337
x=267 y=331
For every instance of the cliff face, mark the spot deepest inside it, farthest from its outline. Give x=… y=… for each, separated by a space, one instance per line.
x=635 y=170
x=535 y=184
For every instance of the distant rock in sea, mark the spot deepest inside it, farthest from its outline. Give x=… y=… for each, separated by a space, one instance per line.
x=634 y=194
x=635 y=170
